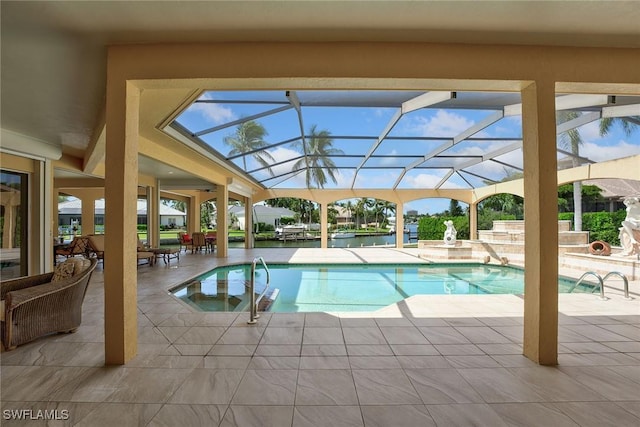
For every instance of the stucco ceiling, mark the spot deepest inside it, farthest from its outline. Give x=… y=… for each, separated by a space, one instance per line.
x=54 y=52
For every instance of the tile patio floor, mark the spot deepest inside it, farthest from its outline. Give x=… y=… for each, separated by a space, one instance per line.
x=426 y=361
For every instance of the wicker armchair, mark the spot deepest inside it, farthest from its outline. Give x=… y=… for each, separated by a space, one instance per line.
x=35 y=306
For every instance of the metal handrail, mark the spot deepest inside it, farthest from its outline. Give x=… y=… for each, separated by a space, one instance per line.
x=253 y=308
x=624 y=280
x=599 y=280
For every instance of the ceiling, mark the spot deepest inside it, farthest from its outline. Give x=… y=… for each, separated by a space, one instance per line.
x=53 y=53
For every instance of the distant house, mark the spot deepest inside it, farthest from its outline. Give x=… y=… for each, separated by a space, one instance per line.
x=70 y=213
x=262 y=213
x=343 y=216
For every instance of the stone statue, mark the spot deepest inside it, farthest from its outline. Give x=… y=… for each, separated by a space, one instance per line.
x=450 y=234
x=630 y=230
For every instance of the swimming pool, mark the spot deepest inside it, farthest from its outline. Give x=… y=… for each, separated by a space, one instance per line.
x=339 y=288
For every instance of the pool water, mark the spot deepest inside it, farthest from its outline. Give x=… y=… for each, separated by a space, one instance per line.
x=339 y=288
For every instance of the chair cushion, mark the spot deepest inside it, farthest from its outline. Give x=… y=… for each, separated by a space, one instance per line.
x=63 y=270
x=80 y=265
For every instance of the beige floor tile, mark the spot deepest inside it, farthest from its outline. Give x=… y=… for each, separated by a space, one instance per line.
x=604 y=381
x=278 y=362
x=233 y=350
x=208 y=387
x=37 y=383
x=465 y=415
x=458 y=349
x=287 y=320
x=363 y=335
x=73 y=412
x=227 y=362
x=327 y=335
x=553 y=385
x=482 y=335
x=374 y=362
x=403 y=335
x=202 y=335
x=443 y=335
x=477 y=361
x=324 y=350
x=171 y=415
x=325 y=387
x=321 y=320
x=417 y=362
x=282 y=335
x=278 y=350
x=266 y=387
x=532 y=415
x=498 y=385
x=322 y=416
x=437 y=386
x=598 y=414
x=324 y=362
x=241 y=335
x=369 y=350
x=384 y=387
x=193 y=349
x=350 y=322
x=257 y=416
x=397 y=415
x=414 y=350
x=120 y=414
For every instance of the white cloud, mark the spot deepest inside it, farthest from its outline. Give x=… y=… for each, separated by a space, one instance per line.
x=600 y=153
x=423 y=180
x=444 y=124
x=389 y=161
x=214 y=112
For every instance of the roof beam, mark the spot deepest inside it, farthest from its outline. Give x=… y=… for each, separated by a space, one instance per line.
x=583 y=119
x=242 y=120
x=413 y=104
x=621 y=110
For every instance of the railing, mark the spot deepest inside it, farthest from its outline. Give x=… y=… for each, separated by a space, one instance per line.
x=624 y=280
x=590 y=273
x=253 y=308
x=601 y=280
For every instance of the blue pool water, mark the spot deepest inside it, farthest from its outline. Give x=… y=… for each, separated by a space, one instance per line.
x=362 y=287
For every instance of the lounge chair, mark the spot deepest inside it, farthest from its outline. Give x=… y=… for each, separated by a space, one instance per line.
x=34 y=306
x=78 y=246
x=198 y=242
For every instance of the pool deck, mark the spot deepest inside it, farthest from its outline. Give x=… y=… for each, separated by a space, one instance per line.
x=440 y=360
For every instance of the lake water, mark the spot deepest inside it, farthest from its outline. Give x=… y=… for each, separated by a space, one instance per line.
x=355 y=242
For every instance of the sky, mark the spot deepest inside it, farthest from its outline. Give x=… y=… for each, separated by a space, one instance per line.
x=371 y=122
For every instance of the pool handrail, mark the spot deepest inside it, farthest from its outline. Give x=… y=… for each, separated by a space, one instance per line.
x=624 y=280
x=253 y=307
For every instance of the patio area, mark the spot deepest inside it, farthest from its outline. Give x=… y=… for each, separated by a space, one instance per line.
x=441 y=360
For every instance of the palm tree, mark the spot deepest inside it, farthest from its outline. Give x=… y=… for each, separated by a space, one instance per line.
x=318 y=149
x=249 y=136
x=628 y=124
x=349 y=208
x=572 y=140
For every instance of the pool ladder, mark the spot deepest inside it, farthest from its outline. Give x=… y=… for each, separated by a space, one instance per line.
x=253 y=307
x=601 y=280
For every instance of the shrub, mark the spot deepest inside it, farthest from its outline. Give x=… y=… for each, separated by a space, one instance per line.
x=601 y=225
x=432 y=227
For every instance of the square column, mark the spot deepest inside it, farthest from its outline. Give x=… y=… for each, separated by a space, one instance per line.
x=153 y=215
x=473 y=221
x=248 y=223
x=121 y=194
x=324 y=225
x=88 y=215
x=193 y=214
x=399 y=225
x=222 y=229
x=541 y=223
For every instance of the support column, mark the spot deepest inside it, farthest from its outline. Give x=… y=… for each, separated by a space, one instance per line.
x=153 y=215
x=121 y=194
x=248 y=223
x=399 y=225
x=88 y=215
x=324 y=225
x=222 y=228
x=473 y=221
x=193 y=214
x=541 y=223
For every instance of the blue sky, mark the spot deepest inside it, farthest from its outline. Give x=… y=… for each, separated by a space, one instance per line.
x=370 y=121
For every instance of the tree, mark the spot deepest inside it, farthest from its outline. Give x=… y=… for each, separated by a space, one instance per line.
x=628 y=124
x=454 y=208
x=349 y=208
x=318 y=149
x=572 y=140
x=249 y=137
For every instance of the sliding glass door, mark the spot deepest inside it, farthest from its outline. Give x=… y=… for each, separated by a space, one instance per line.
x=13 y=224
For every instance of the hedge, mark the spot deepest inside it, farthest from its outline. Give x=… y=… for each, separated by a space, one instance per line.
x=432 y=227
x=601 y=225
